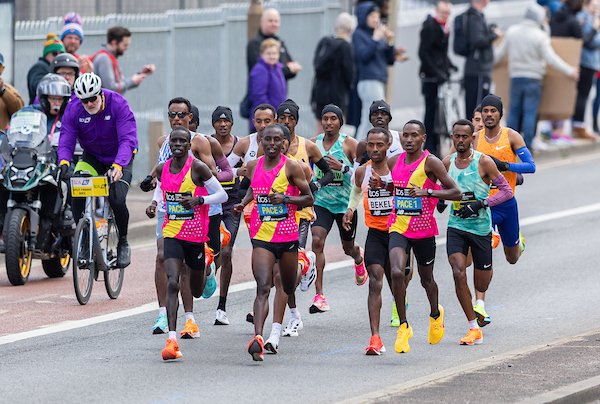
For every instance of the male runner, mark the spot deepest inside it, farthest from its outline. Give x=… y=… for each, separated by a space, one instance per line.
x=380 y=116
x=273 y=227
x=332 y=200
x=188 y=188
x=415 y=174
x=503 y=145
x=470 y=222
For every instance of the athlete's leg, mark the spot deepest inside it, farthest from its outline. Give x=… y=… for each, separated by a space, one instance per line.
x=459 y=272
x=351 y=249
x=398 y=257
x=424 y=250
x=172 y=267
x=160 y=275
x=186 y=291
x=263 y=261
x=374 y=301
x=231 y=222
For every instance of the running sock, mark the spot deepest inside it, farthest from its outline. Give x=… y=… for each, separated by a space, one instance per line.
x=173 y=335
x=480 y=303
x=295 y=313
x=473 y=324
x=222 y=302
x=436 y=316
x=275 y=330
x=162 y=311
x=190 y=316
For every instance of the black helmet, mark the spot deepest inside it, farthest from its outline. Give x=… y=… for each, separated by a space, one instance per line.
x=53 y=84
x=65 y=60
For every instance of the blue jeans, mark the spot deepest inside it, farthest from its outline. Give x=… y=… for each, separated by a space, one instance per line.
x=525 y=94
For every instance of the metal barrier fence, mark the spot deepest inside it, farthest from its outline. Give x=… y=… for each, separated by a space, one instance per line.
x=199 y=54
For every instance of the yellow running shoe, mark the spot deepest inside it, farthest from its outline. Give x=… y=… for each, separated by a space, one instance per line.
x=190 y=330
x=405 y=333
x=436 y=328
x=483 y=318
x=522 y=242
x=473 y=337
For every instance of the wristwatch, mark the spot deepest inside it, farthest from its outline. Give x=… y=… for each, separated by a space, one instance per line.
x=429 y=192
x=286 y=200
x=345 y=169
x=485 y=203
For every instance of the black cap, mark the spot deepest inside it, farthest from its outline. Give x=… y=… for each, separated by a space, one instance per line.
x=288 y=107
x=195 y=114
x=380 y=105
x=222 y=113
x=492 y=100
x=336 y=110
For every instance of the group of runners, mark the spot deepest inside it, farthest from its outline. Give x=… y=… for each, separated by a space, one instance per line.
x=285 y=186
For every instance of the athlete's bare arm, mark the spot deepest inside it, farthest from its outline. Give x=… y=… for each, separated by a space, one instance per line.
x=314 y=154
x=241 y=147
x=157 y=170
x=446 y=162
x=160 y=141
x=202 y=151
x=215 y=148
x=295 y=176
x=515 y=139
x=487 y=169
x=435 y=170
x=349 y=146
x=359 y=175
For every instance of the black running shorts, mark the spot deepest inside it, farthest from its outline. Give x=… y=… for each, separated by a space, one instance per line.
x=191 y=253
x=423 y=248
x=376 y=247
x=325 y=220
x=231 y=221
x=277 y=249
x=459 y=241
x=214 y=233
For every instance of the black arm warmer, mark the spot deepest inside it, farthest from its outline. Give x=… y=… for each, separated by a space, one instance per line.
x=327 y=173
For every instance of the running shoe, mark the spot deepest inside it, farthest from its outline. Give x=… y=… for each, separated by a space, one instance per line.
x=256 y=348
x=522 y=242
x=436 y=328
x=250 y=318
x=171 y=350
x=495 y=239
x=319 y=305
x=311 y=273
x=190 y=330
x=360 y=273
x=226 y=235
x=375 y=346
x=211 y=283
x=209 y=256
x=395 y=319
x=272 y=344
x=221 y=318
x=161 y=325
x=473 y=337
x=483 y=318
x=405 y=333
x=291 y=330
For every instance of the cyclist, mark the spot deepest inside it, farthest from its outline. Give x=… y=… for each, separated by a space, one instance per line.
x=103 y=123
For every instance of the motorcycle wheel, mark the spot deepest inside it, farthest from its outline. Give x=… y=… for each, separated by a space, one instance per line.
x=58 y=266
x=113 y=277
x=84 y=268
x=17 y=255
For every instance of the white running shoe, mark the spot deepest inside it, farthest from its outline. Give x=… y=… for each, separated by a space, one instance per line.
x=221 y=318
x=311 y=274
x=272 y=344
x=291 y=330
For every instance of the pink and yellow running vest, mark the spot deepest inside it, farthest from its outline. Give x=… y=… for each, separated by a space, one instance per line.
x=270 y=222
x=181 y=223
x=412 y=217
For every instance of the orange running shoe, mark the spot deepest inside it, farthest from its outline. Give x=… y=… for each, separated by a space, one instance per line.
x=171 y=350
x=303 y=262
x=256 y=348
x=473 y=337
x=209 y=255
x=225 y=234
x=190 y=330
x=495 y=239
x=375 y=346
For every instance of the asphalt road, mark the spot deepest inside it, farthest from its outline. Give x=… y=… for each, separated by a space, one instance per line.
x=552 y=293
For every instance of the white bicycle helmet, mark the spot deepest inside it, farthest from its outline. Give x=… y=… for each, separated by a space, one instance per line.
x=87 y=85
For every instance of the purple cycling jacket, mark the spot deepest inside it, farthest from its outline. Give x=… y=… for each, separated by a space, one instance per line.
x=110 y=135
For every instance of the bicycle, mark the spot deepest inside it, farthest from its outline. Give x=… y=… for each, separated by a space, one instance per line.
x=95 y=241
x=448 y=110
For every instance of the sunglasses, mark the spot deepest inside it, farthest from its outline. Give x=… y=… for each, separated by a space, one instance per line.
x=66 y=74
x=89 y=100
x=180 y=114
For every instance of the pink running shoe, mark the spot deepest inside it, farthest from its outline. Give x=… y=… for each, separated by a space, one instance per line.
x=319 y=305
x=360 y=273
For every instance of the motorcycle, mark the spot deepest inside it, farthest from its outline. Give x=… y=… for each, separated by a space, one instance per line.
x=35 y=225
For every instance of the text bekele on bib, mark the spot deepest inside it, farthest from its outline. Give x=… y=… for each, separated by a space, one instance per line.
x=380 y=202
x=270 y=212
x=175 y=210
x=465 y=198
x=405 y=205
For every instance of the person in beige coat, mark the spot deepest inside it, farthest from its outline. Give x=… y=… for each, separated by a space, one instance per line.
x=10 y=99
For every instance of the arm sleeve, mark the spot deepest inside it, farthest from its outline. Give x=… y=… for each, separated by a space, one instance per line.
x=226 y=173
x=127 y=135
x=504 y=191
x=327 y=173
x=68 y=135
x=527 y=165
x=216 y=193
x=233 y=159
x=157 y=195
x=355 y=197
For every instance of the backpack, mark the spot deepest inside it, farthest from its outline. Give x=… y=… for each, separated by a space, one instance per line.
x=461 y=35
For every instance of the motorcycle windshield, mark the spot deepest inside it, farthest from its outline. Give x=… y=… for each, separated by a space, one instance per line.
x=27 y=129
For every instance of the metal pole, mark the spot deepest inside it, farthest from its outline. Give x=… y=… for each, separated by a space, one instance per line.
x=392 y=24
x=254 y=13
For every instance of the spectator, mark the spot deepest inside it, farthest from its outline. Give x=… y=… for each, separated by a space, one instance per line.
x=435 y=67
x=480 y=60
x=596 y=105
x=373 y=51
x=52 y=47
x=588 y=66
x=528 y=47
x=72 y=37
x=66 y=66
x=270 y=21
x=334 y=69
x=266 y=83
x=107 y=67
x=10 y=99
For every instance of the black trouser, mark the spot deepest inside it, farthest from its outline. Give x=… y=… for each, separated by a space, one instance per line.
x=476 y=87
x=117 y=193
x=429 y=89
x=584 y=85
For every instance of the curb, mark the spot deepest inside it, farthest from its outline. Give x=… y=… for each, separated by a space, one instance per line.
x=581 y=392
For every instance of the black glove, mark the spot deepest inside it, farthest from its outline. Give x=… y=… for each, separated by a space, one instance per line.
x=313 y=187
x=63 y=172
x=441 y=206
x=470 y=209
x=502 y=165
x=147 y=184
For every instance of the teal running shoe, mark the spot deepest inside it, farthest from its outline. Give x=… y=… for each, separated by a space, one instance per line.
x=161 y=325
x=211 y=283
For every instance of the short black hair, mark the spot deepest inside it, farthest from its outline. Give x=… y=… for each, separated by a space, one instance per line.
x=418 y=123
x=380 y=130
x=284 y=130
x=265 y=106
x=477 y=109
x=117 y=34
x=464 y=122
x=195 y=115
x=181 y=100
x=182 y=129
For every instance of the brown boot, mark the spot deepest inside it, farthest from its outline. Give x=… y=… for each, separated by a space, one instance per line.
x=583 y=133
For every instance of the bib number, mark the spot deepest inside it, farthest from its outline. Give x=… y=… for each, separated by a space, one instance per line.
x=270 y=212
x=175 y=210
x=466 y=198
x=380 y=202
x=338 y=178
x=405 y=205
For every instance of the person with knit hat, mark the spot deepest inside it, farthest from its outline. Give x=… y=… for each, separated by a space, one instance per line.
x=72 y=37
x=52 y=47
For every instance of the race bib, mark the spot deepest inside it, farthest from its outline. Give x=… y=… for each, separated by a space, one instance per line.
x=405 y=205
x=466 y=198
x=270 y=212
x=228 y=185
x=380 y=202
x=175 y=210
x=338 y=178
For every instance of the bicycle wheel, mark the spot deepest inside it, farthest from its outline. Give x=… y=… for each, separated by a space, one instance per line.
x=83 y=262
x=113 y=276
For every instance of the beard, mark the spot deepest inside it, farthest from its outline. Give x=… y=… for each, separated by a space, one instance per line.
x=94 y=110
